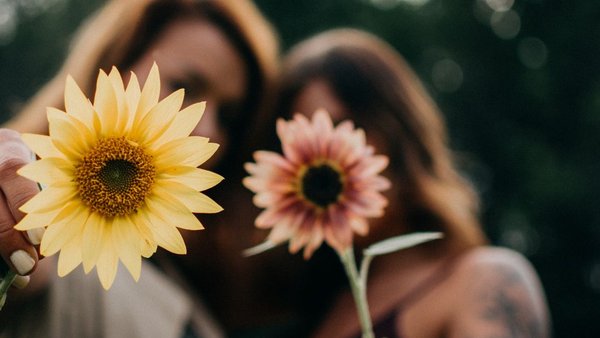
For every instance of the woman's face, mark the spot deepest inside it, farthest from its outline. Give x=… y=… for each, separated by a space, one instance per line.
x=317 y=94
x=194 y=54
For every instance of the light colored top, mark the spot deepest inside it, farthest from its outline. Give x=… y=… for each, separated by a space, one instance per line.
x=78 y=306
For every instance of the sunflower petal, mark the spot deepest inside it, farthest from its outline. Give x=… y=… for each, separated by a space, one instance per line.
x=126 y=239
x=166 y=235
x=195 y=178
x=70 y=256
x=36 y=220
x=41 y=145
x=67 y=133
x=132 y=95
x=51 y=198
x=191 y=151
x=121 y=100
x=77 y=104
x=48 y=171
x=147 y=243
x=157 y=120
x=105 y=103
x=193 y=200
x=149 y=95
x=107 y=265
x=60 y=233
x=170 y=208
x=93 y=238
x=183 y=124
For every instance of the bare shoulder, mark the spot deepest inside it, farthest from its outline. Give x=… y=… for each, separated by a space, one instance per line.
x=500 y=296
x=486 y=258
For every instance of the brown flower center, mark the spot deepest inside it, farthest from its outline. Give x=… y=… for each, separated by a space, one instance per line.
x=321 y=184
x=114 y=177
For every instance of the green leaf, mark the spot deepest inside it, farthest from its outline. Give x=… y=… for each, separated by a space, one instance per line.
x=401 y=242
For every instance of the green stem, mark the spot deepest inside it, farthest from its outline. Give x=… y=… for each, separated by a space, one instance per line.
x=5 y=284
x=358 y=286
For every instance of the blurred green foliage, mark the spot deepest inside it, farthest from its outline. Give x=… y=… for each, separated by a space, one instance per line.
x=520 y=88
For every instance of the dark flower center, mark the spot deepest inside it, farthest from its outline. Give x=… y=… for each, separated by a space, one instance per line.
x=322 y=185
x=115 y=177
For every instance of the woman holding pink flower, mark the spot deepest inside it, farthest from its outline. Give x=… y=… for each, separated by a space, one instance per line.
x=456 y=286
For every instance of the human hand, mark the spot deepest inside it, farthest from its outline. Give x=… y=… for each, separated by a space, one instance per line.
x=16 y=248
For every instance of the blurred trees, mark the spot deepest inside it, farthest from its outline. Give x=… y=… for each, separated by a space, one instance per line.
x=518 y=81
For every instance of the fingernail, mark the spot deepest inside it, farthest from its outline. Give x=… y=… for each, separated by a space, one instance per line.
x=22 y=261
x=21 y=282
x=35 y=235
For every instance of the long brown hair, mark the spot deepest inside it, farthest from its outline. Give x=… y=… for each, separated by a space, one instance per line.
x=122 y=30
x=385 y=96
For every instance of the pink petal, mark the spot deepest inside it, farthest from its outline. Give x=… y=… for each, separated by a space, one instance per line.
x=366 y=204
x=376 y=183
x=274 y=160
x=273 y=215
x=314 y=242
x=370 y=166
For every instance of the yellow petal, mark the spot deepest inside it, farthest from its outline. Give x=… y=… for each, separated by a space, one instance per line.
x=72 y=219
x=48 y=171
x=169 y=208
x=203 y=204
x=51 y=198
x=183 y=124
x=142 y=225
x=196 y=178
x=148 y=248
x=105 y=103
x=70 y=256
x=93 y=238
x=193 y=200
x=68 y=134
x=78 y=105
x=190 y=151
x=132 y=94
x=107 y=265
x=127 y=242
x=149 y=95
x=41 y=145
x=119 y=89
x=36 y=220
x=148 y=245
x=158 y=118
x=166 y=235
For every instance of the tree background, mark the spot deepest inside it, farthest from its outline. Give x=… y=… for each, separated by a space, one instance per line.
x=518 y=81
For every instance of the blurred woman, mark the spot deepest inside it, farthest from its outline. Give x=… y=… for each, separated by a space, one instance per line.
x=223 y=52
x=454 y=287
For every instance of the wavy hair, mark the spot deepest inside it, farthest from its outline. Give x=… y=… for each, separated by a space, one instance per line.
x=385 y=97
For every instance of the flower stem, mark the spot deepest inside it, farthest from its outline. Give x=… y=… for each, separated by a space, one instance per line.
x=5 y=284
x=358 y=286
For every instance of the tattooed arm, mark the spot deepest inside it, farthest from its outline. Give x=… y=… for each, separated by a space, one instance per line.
x=502 y=298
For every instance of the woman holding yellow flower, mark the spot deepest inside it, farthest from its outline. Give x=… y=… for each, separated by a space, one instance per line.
x=220 y=52
x=453 y=287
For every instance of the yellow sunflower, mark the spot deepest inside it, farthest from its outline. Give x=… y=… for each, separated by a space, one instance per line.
x=121 y=176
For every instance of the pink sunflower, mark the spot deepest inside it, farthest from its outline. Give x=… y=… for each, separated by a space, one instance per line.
x=324 y=187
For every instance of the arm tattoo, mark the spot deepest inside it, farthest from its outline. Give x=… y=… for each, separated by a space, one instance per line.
x=506 y=304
